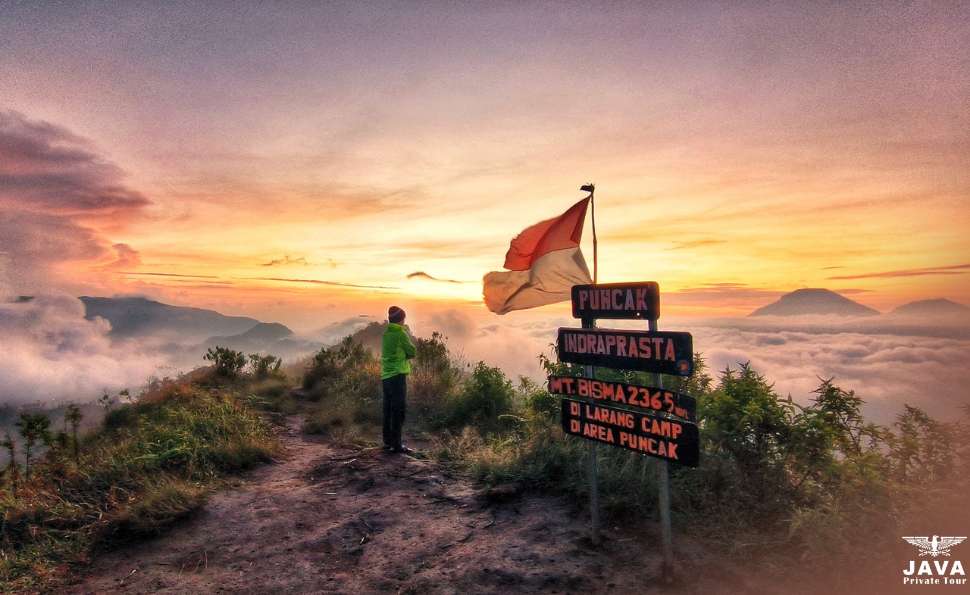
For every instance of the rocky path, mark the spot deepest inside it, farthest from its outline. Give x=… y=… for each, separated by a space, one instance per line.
x=338 y=520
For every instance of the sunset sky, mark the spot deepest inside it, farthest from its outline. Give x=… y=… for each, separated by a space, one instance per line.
x=298 y=162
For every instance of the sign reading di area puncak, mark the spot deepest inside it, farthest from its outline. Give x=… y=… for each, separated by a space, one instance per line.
x=668 y=439
x=617 y=300
x=664 y=352
x=643 y=397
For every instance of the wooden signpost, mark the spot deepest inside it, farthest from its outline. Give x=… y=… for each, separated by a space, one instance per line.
x=665 y=438
x=625 y=301
x=644 y=419
x=649 y=351
x=620 y=393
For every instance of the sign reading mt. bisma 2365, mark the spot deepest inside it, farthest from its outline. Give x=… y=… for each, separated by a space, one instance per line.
x=645 y=433
x=664 y=352
x=617 y=300
x=621 y=393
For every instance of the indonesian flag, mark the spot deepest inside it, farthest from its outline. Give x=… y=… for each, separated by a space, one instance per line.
x=543 y=263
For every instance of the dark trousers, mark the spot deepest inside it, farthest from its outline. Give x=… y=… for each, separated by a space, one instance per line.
x=395 y=396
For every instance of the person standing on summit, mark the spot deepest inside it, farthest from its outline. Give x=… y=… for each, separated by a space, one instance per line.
x=396 y=351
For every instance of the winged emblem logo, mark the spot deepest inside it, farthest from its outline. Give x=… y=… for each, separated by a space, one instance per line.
x=935 y=546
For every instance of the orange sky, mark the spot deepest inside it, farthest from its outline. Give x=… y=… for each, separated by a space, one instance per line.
x=738 y=152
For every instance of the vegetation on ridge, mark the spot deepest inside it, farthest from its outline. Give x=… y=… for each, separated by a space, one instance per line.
x=777 y=479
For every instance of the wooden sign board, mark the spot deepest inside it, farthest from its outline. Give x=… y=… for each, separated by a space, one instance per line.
x=633 y=301
x=645 y=433
x=632 y=395
x=664 y=352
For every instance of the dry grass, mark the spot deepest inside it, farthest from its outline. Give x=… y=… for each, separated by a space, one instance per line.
x=152 y=463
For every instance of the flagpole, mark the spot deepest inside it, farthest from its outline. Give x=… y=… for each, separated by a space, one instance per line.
x=590 y=372
x=591 y=188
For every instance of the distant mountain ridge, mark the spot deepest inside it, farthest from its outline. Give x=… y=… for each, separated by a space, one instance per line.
x=934 y=307
x=264 y=336
x=187 y=332
x=137 y=316
x=803 y=302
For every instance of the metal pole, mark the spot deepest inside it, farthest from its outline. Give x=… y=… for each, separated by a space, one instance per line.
x=592 y=204
x=663 y=473
x=594 y=492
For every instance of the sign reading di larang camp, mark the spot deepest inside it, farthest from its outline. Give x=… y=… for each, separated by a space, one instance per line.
x=620 y=393
x=645 y=433
x=629 y=301
x=664 y=352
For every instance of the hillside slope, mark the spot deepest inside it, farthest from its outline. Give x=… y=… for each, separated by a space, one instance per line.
x=349 y=520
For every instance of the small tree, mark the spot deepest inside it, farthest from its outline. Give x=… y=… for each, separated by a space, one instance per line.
x=264 y=366
x=106 y=401
x=228 y=362
x=73 y=417
x=11 y=447
x=33 y=427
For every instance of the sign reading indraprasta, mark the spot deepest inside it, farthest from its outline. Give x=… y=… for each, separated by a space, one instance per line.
x=650 y=351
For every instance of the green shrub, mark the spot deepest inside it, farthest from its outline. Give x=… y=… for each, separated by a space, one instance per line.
x=332 y=363
x=228 y=363
x=264 y=366
x=482 y=400
x=433 y=381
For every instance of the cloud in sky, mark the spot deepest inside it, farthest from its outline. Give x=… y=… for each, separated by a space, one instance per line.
x=681 y=245
x=955 y=269
x=286 y=261
x=46 y=168
x=319 y=282
x=55 y=190
x=328 y=132
x=427 y=277
x=152 y=274
x=125 y=257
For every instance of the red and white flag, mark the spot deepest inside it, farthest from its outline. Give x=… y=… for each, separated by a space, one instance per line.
x=543 y=263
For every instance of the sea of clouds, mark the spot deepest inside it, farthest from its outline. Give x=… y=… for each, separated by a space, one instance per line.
x=888 y=361
x=52 y=354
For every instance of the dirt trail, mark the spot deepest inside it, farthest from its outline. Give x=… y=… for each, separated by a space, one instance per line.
x=334 y=519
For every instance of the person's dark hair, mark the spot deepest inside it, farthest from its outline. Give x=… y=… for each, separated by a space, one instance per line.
x=395 y=314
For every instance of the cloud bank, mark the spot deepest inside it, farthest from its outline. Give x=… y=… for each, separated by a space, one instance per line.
x=52 y=354
x=888 y=362
x=54 y=191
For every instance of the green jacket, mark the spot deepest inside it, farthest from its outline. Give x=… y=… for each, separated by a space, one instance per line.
x=396 y=350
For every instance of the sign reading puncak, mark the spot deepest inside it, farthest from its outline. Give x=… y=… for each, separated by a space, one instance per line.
x=645 y=433
x=617 y=300
x=643 y=397
x=664 y=352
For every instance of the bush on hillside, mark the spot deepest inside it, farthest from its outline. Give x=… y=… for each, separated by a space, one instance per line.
x=434 y=379
x=228 y=362
x=481 y=401
x=345 y=380
x=264 y=366
x=333 y=363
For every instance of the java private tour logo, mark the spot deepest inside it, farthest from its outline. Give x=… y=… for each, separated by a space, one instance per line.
x=942 y=569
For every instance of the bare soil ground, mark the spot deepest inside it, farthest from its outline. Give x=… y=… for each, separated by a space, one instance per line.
x=335 y=519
